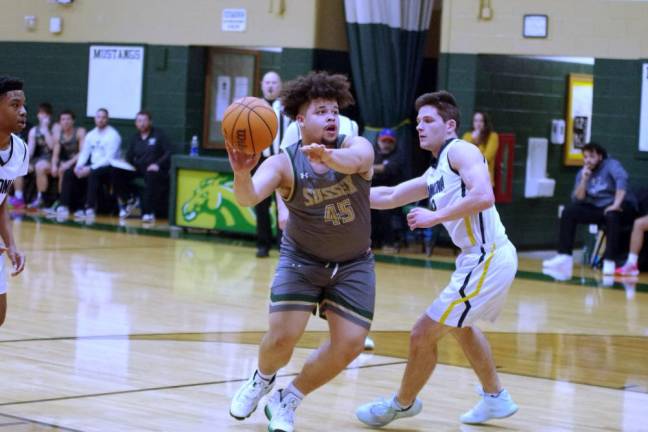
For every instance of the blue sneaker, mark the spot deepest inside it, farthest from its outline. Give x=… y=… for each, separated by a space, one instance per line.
x=384 y=411
x=500 y=406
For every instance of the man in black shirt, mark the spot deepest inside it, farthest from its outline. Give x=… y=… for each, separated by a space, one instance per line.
x=270 y=87
x=386 y=225
x=149 y=151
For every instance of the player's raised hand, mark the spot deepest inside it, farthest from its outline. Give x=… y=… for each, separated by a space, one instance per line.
x=241 y=162
x=317 y=152
x=419 y=217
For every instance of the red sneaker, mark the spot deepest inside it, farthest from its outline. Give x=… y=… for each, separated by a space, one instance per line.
x=16 y=203
x=627 y=270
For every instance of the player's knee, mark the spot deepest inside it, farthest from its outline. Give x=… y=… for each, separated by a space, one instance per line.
x=420 y=336
x=347 y=350
x=356 y=346
x=2 y=317
x=424 y=333
x=283 y=341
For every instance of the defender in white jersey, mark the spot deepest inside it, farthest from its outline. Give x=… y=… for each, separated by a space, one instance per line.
x=461 y=198
x=14 y=162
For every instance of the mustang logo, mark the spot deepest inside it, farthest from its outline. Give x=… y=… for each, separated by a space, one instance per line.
x=214 y=198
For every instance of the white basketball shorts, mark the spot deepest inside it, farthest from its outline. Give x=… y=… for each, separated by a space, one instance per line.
x=478 y=287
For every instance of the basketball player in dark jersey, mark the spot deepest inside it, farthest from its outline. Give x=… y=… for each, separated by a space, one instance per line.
x=325 y=261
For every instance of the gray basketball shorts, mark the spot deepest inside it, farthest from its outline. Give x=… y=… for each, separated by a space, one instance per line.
x=347 y=289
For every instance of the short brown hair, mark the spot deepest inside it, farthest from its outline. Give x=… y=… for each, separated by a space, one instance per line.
x=67 y=112
x=445 y=104
x=46 y=107
x=145 y=113
x=315 y=85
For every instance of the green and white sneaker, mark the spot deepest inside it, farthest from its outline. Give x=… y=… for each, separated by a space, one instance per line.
x=383 y=411
x=490 y=407
x=280 y=410
x=247 y=398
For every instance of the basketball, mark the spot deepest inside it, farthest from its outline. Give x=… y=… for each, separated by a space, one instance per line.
x=250 y=125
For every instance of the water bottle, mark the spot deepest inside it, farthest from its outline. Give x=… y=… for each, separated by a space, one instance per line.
x=193 y=147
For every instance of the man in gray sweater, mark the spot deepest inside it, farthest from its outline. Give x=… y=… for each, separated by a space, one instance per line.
x=600 y=197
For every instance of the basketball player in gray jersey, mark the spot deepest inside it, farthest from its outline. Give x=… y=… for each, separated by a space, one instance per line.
x=325 y=261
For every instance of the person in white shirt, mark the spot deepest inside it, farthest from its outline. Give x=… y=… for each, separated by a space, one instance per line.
x=14 y=162
x=292 y=134
x=101 y=147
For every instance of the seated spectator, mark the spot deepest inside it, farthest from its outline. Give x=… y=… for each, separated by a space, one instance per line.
x=386 y=225
x=483 y=136
x=101 y=146
x=41 y=144
x=68 y=140
x=149 y=151
x=600 y=197
x=40 y=141
x=639 y=229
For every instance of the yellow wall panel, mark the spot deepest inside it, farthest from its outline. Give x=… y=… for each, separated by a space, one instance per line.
x=582 y=28
x=169 y=22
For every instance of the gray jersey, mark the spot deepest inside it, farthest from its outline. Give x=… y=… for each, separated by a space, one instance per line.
x=330 y=218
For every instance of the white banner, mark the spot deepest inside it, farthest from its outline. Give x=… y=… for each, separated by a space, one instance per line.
x=411 y=15
x=115 y=80
x=643 y=119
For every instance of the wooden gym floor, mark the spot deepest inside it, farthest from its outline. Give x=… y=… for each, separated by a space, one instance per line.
x=144 y=329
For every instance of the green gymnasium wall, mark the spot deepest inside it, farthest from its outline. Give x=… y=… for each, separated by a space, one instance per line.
x=58 y=73
x=617 y=104
x=174 y=80
x=523 y=95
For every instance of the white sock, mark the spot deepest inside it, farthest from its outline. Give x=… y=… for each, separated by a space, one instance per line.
x=494 y=395
x=293 y=390
x=39 y=195
x=18 y=194
x=401 y=407
x=632 y=258
x=264 y=377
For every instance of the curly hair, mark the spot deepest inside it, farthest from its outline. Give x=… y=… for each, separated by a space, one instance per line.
x=444 y=102
x=315 y=85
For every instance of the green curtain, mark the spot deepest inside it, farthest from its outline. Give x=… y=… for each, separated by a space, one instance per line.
x=386 y=47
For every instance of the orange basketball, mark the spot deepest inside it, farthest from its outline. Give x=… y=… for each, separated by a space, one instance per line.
x=250 y=125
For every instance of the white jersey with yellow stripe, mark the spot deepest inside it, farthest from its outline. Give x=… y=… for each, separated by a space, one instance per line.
x=445 y=187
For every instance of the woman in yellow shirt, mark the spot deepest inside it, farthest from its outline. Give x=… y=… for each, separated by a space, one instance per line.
x=483 y=136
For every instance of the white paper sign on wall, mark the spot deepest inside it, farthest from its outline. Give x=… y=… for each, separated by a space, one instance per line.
x=115 y=80
x=643 y=120
x=234 y=20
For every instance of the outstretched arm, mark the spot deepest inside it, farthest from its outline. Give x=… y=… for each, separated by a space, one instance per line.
x=250 y=190
x=469 y=162
x=386 y=197
x=355 y=158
